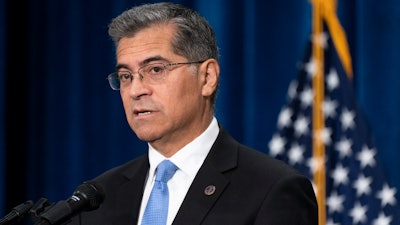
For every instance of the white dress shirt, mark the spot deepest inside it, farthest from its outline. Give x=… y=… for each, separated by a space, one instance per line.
x=188 y=160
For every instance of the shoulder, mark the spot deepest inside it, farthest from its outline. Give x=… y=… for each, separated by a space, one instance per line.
x=263 y=165
x=123 y=172
x=231 y=155
x=247 y=157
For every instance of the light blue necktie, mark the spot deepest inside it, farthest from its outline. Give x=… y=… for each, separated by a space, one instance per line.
x=156 y=212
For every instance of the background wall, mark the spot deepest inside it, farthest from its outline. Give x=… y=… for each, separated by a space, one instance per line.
x=61 y=124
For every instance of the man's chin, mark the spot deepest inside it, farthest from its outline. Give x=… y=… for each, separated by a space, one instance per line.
x=147 y=137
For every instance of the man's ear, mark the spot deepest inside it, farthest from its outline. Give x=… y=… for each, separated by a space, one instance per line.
x=210 y=71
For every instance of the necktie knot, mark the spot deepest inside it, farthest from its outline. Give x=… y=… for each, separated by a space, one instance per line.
x=165 y=170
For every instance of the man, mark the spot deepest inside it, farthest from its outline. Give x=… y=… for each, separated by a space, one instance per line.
x=167 y=73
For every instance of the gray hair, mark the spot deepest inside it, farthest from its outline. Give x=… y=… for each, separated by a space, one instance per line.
x=194 y=39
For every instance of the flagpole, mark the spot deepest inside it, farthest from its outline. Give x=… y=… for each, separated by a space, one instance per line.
x=318 y=117
x=339 y=39
x=349 y=183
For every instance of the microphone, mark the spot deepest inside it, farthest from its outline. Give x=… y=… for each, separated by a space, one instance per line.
x=17 y=213
x=88 y=196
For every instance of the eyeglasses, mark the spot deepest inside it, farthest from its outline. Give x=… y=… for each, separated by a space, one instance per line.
x=150 y=74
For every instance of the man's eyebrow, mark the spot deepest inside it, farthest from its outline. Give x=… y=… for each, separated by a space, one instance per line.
x=152 y=59
x=121 y=66
x=144 y=62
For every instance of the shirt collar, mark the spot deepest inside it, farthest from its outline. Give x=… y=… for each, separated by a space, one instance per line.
x=190 y=158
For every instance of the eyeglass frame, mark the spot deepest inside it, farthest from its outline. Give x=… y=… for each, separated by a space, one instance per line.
x=115 y=76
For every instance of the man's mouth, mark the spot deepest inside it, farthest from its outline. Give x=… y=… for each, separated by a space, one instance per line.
x=143 y=113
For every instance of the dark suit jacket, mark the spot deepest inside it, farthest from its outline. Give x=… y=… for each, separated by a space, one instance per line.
x=250 y=188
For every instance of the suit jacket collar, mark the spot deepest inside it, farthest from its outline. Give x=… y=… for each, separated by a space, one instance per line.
x=130 y=192
x=210 y=181
x=208 y=185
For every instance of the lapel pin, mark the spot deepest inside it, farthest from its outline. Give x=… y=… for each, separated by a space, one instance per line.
x=209 y=190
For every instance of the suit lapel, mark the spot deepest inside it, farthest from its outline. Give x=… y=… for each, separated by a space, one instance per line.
x=210 y=181
x=130 y=192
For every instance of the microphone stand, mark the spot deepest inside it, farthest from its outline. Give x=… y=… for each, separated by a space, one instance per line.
x=17 y=213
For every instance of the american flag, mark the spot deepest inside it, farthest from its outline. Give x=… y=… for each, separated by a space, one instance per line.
x=357 y=191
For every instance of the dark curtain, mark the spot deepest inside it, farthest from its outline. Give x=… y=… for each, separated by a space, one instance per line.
x=61 y=124
x=2 y=108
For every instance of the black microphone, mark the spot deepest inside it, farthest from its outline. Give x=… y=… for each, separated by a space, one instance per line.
x=88 y=196
x=17 y=213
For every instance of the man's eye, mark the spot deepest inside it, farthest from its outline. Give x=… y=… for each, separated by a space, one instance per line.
x=155 y=70
x=124 y=77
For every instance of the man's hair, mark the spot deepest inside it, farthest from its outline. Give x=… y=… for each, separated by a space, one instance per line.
x=194 y=38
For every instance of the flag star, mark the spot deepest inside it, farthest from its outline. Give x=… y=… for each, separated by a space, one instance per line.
x=329 y=107
x=347 y=119
x=335 y=202
x=387 y=195
x=344 y=147
x=324 y=135
x=306 y=97
x=331 y=222
x=311 y=67
x=332 y=79
x=363 y=185
x=321 y=39
x=315 y=163
x=276 y=145
x=312 y=163
x=358 y=213
x=340 y=175
x=382 y=219
x=295 y=154
x=284 y=117
x=301 y=126
x=366 y=156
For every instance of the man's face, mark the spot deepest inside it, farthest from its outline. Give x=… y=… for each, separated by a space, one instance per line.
x=173 y=112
